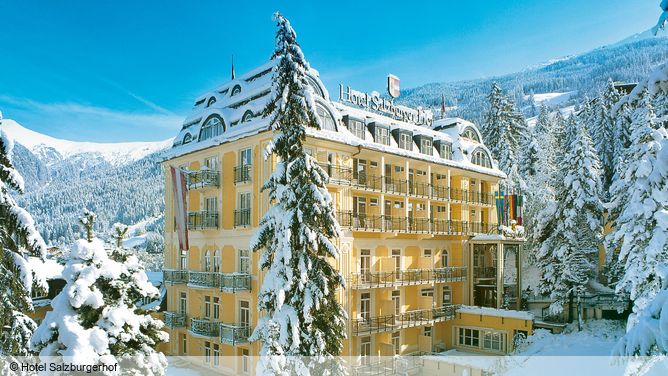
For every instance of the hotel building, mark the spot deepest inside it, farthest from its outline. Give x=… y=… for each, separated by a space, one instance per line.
x=425 y=266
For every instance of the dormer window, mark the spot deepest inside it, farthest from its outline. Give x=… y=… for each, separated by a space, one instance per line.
x=405 y=141
x=248 y=115
x=212 y=127
x=471 y=134
x=425 y=146
x=326 y=118
x=187 y=138
x=481 y=158
x=382 y=135
x=236 y=90
x=356 y=127
x=211 y=101
x=314 y=84
x=445 y=150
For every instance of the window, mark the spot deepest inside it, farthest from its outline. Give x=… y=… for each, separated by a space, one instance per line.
x=207 y=352
x=245 y=157
x=244 y=200
x=216 y=261
x=242 y=214
x=365 y=263
x=373 y=202
x=469 y=337
x=470 y=134
x=365 y=346
x=426 y=252
x=245 y=364
x=441 y=209
x=445 y=151
x=244 y=313
x=183 y=303
x=216 y=354
x=326 y=119
x=396 y=342
x=444 y=258
x=396 y=255
x=213 y=127
x=493 y=341
x=211 y=163
x=248 y=116
x=216 y=308
x=184 y=344
x=481 y=158
x=211 y=101
x=405 y=141
x=244 y=261
x=207 y=306
x=211 y=205
x=365 y=306
x=446 y=296
x=427 y=291
x=382 y=135
x=427 y=331
x=207 y=261
x=236 y=90
x=187 y=138
x=356 y=127
x=425 y=146
x=314 y=84
x=396 y=301
x=183 y=262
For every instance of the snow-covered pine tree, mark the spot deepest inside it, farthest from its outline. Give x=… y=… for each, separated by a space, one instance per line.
x=602 y=125
x=503 y=130
x=18 y=240
x=301 y=313
x=95 y=319
x=569 y=248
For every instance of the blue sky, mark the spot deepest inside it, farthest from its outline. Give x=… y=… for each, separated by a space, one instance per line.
x=130 y=70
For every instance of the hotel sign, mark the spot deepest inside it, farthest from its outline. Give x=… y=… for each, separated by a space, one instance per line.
x=375 y=102
x=393 y=86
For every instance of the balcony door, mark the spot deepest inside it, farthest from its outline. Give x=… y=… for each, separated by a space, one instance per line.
x=244 y=313
x=365 y=306
x=365 y=264
x=245 y=157
x=359 y=210
x=396 y=301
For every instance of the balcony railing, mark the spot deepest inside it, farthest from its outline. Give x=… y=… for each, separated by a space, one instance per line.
x=368 y=181
x=388 y=323
x=204 y=279
x=242 y=174
x=242 y=217
x=235 y=282
x=408 y=277
x=205 y=327
x=457 y=194
x=175 y=319
x=394 y=224
x=365 y=222
x=175 y=276
x=439 y=192
x=419 y=189
x=417 y=224
x=481 y=198
x=388 y=223
x=338 y=174
x=482 y=228
x=202 y=220
x=234 y=334
x=203 y=179
x=395 y=186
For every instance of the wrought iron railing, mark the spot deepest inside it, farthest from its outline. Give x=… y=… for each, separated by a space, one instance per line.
x=396 y=186
x=392 y=223
x=387 y=323
x=389 y=223
x=419 y=189
x=175 y=319
x=242 y=217
x=365 y=222
x=407 y=277
x=235 y=282
x=203 y=179
x=482 y=228
x=439 y=192
x=338 y=174
x=175 y=276
x=368 y=181
x=204 y=279
x=233 y=334
x=418 y=224
x=202 y=220
x=458 y=194
x=205 y=327
x=242 y=174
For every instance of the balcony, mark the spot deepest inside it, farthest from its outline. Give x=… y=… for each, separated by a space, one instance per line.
x=338 y=174
x=482 y=228
x=439 y=192
x=395 y=186
x=394 y=224
x=233 y=282
x=242 y=174
x=410 y=319
x=368 y=182
x=201 y=220
x=457 y=194
x=480 y=198
x=234 y=334
x=204 y=279
x=204 y=327
x=242 y=217
x=203 y=179
x=175 y=320
x=419 y=189
x=417 y=224
x=175 y=276
x=408 y=277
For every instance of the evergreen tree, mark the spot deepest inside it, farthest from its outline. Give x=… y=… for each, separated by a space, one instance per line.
x=602 y=126
x=18 y=240
x=503 y=130
x=569 y=247
x=302 y=316
x=95 y=319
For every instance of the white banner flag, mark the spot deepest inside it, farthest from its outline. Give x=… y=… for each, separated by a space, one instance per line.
x=180 y=206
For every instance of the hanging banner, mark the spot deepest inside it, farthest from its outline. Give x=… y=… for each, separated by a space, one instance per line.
x=500 y=207
x=180 y=207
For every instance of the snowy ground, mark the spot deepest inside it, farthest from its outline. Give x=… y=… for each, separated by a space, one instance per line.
x=552 y=100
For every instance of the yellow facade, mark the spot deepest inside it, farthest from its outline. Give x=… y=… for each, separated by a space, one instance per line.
x=404 y=252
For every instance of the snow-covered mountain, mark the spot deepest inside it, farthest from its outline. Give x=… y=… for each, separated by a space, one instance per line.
x=121 y=182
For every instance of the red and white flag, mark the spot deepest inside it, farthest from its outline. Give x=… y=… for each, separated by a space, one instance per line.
x=180 y=206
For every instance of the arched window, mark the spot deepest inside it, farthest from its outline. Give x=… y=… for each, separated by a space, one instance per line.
x=326 y=119
x=235 y=90
x=471 y=134
x=187 y=138
x=481 y=158
x=445 y=261
x=211 y=101
x=216 y=261
x=213 y=126
x=207 y=261
x=248 y=115
x=316 y=88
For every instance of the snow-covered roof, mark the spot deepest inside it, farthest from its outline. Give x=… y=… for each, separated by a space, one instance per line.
x=252 y=91
x=487 y=311
x=49 y=268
